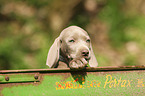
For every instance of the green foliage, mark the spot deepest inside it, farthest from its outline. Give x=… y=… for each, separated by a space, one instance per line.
x=28 y=28
x=130 y=60
x=117 y=20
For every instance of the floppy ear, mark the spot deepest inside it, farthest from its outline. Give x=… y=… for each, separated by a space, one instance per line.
x=93 y=62
x=53 y=54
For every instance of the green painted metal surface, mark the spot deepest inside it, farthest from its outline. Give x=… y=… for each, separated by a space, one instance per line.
x=113 y=81
x=18 y=78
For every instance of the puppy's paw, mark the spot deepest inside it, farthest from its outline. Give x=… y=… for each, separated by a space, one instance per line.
x=78 y=64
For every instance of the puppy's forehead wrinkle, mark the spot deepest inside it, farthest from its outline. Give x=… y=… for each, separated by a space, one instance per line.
x=73 y=30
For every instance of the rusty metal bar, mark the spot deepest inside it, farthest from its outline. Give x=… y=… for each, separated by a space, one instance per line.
x=89 y=69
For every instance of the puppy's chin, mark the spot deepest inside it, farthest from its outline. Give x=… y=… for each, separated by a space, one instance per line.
x=87 y=58
x=83 y=59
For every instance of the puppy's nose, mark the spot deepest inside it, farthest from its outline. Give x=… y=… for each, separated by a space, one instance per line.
x=85 y=53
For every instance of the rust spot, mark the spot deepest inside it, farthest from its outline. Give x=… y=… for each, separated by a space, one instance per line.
x=7 y=78
x=36 y=77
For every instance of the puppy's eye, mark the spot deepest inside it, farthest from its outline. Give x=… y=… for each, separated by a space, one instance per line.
x=88 y=41
x=72 y=40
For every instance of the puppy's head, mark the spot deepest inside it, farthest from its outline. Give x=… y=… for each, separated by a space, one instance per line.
x=75 y=43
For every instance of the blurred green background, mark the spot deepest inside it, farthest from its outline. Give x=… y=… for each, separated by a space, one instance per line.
x=29 y=27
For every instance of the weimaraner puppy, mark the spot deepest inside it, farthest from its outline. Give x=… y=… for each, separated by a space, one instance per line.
x=71 y=49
